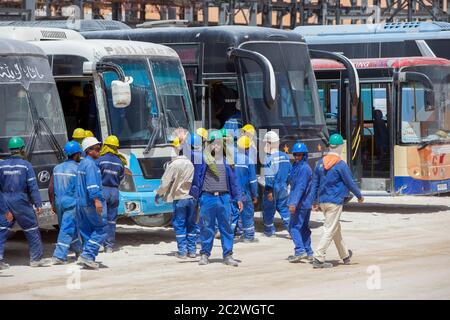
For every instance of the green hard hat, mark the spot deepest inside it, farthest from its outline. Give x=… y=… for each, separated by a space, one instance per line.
x=16 y=143
x=224 y=132
x=215 y=135
x=336 y=140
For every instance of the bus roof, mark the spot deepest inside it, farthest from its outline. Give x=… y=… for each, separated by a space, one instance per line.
x=232 y=35
x=10 y=47
x=379 y=63
x=79 y=25
x=38 y=34
x=394 y=27
x=94 y=50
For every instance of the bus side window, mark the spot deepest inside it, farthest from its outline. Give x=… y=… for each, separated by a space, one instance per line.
x=329 y=100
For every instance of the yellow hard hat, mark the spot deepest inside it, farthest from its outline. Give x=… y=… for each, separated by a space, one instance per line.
x=77 y=91
x=176 y=142
x=112 y=141
x=244 y=142
x=249 y=128
x=202 y=132
x=79 y=133
x=88 y=133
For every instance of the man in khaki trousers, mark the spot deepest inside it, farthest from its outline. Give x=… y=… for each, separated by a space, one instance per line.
x=332 y=182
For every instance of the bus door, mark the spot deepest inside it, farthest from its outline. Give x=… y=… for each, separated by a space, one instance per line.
x=221 y=102
x=375 y=138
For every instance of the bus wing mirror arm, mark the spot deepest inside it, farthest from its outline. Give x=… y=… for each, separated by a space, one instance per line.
x=269 y=80
x=353 y=77
x=411 y=76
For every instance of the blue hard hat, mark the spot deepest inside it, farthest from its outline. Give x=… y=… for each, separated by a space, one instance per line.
x=71 y=148
x=299 y=148
x=196 y=140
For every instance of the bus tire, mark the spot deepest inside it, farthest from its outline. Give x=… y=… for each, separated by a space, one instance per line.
x=154 y=220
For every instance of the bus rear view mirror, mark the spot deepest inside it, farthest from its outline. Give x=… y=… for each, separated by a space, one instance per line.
x=121 y=93
x=269 y=80
x=88 y=67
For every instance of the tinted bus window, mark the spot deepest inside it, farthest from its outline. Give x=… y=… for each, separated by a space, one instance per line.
x=68 y=65
x=440 y=47
x=399 y=49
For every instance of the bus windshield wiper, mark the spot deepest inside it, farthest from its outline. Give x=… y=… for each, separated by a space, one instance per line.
x=39 y=122
x=153 y=135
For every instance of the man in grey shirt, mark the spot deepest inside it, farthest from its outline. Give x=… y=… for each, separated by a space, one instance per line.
x=175 y=185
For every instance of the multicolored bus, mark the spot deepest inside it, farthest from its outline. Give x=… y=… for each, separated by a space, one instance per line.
x=398 y=136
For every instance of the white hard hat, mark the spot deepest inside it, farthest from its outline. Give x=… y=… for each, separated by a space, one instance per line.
x=271 y=137
x=89 y=142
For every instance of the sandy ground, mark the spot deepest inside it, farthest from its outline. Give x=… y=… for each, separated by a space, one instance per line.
x=401 y=250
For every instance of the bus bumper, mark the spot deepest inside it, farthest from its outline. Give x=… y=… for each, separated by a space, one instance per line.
x=141 y=203
x=411 y=186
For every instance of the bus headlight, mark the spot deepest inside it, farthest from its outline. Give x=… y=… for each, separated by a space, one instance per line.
x=127 y=183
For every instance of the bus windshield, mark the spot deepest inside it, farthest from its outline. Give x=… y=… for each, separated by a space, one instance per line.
x=297 y=103
x=28 y=92
x=135 y=124
x=425 y=116
x=172 y=93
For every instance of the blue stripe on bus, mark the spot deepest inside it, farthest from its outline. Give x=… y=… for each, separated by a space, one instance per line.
x=411 y=186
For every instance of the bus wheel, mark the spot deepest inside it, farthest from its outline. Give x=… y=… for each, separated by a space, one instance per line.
x=154 y=220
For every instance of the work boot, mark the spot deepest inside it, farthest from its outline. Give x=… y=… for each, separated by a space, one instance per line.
x=180 y=255
x=3 y=265
x=297 y=259
x=229 y=261
x=109 y=250
x=321 y=265
x=347 y=260
x=203 y=260
x=57 y=261
x=90 y=264
x=41 y=263
x=192 y=255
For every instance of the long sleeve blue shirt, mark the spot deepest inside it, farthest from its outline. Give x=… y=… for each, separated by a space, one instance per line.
x=89 y=182
x=300 y=181
x=333 y=185
x=276 y=168
x=245 y=172
x=3 y=207
x=17 y=176
x=65 y=183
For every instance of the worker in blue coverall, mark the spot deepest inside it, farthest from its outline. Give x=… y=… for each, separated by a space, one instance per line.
x=300 y=205
x=62 y=194
x=111 y=164
x=20 y=192
x=214 y=185
x=91 y=204
x=7 y=215
x=277 y=167
x=331 y=183
x=245 y=171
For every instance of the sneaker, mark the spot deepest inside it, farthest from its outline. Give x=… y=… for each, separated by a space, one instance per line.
x=90 y=264
x=192 y=255
x=347 y=260
x=254 y=240
x=180 y=255
x=229 y=261
x=321 y=265
x=203 y=260
x=297 y=259
x=41 y=263
x=57 y=261
x=109 y=250
x=3 y=265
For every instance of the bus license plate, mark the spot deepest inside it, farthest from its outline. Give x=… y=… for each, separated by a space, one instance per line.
x=442 y=187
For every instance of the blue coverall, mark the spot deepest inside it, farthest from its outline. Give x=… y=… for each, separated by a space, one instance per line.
x=19 y=187
x=214 y=208
x=300 y=181
x=276 y=174
x=113 y=171
x=197 y=158
x=245 y=172
x=92 y=225
x=234 y=123
x=64 y=187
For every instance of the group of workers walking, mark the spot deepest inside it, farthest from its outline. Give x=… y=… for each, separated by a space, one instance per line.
x=224 y=189
x=83 y=191
x=212 y=189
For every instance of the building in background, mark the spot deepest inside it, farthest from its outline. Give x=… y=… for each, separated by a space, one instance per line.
x=270 y=13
